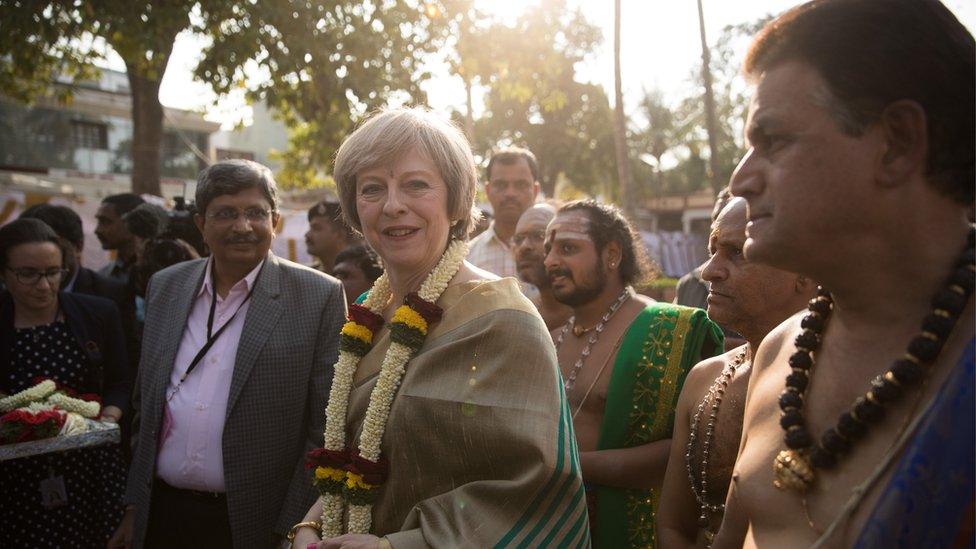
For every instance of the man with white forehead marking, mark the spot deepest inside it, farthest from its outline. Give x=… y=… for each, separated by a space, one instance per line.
x=623 y=358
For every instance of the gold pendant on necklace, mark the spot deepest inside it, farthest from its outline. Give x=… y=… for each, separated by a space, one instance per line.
x=578 y=330
x=793 y=471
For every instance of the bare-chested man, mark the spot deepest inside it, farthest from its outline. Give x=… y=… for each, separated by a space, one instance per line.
x=623 y=358
x=751 y=299
x=859 y=423
x=530 y=253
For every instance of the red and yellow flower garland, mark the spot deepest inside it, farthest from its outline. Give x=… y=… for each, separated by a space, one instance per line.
x=348 y=478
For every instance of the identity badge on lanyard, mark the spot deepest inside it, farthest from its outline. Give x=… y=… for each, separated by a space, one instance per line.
x=211 y=335
x=53 y=492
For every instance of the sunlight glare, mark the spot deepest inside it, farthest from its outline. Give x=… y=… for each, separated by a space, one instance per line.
x=506 y=10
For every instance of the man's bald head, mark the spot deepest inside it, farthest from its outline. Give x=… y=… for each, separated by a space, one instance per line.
x=538 y=214
x=743 y=296
x=733 y=216
x=529 y=241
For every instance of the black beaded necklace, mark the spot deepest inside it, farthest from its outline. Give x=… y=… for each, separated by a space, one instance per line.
x=794 y=468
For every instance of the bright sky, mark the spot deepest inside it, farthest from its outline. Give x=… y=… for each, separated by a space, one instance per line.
x=660 y=47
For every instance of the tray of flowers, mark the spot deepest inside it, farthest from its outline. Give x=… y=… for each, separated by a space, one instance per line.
x=45 y=419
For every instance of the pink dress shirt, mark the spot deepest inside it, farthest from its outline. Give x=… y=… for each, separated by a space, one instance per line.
x=190 y=454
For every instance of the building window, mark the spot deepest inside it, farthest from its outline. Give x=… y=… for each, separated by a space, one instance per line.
x=229 y=154
x=90 y=135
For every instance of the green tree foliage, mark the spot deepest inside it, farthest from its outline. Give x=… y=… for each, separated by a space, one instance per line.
x=45 y=40
x=532 y=97
x=324 y=65
x=656 y=131
x=669 y=141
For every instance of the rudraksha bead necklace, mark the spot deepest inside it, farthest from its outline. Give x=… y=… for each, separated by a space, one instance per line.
x=795 y=468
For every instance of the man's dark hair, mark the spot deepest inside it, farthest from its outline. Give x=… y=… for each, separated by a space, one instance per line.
x=146 y=221
x=65 y=222
x=331 y=211
x=873 y=53
x=608 y=224
x=26 y=231
x=364 y=258
x=158 y=254
x=511 y=155
x=232 y=177
x=123 y=203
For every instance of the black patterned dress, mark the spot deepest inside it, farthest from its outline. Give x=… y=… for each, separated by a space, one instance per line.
x=93 y=479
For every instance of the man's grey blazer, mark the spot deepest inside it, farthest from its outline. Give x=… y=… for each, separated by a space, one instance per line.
x=278 y=393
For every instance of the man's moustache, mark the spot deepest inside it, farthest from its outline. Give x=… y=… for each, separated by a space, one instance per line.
x=241 y=240
x=559 y=272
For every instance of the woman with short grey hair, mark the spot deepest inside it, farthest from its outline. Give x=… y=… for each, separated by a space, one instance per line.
x=388 y=135
x=446 y=424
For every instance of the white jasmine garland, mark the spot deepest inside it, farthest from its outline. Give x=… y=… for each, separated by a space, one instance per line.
x=36 y=393
x=332 y=507
x=84 y=408
x=345 y=370
x=360 y=518
x=382 y=396
x=380 y=400
x=37 y=407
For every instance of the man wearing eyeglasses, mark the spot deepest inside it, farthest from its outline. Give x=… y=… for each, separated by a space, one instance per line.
x=529 y=253
x=235 y=373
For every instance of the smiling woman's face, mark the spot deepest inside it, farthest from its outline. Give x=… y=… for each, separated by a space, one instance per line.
x=402 y=207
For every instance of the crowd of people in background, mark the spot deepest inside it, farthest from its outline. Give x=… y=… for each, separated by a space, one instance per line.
x=438 y=377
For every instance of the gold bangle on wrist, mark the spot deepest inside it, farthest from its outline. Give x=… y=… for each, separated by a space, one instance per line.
x=307 y=524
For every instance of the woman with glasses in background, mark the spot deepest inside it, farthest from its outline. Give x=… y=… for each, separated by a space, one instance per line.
x=72 y=498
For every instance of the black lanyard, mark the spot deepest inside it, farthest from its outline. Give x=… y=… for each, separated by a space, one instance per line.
x=212 y=337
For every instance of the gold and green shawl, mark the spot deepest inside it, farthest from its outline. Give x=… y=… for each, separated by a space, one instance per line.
x=658 y=350
x=480 y=440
